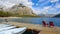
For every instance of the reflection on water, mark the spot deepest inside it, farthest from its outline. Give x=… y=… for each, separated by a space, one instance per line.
x=33 y=20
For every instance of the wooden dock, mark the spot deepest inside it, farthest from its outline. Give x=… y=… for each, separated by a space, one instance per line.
x=43 y=30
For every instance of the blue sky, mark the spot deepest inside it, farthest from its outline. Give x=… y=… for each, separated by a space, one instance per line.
x=38 y=6
x=47 y=6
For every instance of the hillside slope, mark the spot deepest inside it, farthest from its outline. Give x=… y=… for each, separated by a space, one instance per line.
x=21 y=10
x=57 y=15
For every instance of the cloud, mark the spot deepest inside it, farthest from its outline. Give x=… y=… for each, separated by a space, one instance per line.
x=48 y=0
x=57 y=5
x=53 y=1
x=48 y=7
x=29 y=4
x=12 y=2
x=41 y=10
x=51 y=9
x=36 y=11
x=42 y=6
x=44 y=10
x=8 y=4
x=48 y=10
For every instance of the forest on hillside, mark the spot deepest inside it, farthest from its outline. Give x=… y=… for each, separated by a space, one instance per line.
x=8 y=14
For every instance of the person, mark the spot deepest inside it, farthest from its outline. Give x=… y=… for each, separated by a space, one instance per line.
x=44 y=23
x=51 y=24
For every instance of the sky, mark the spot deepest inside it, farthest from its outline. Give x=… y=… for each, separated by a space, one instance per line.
x=38 y=6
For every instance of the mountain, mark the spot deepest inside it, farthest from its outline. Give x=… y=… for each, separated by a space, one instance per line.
x=58 y=15
x=18 y=10
x=46 y=15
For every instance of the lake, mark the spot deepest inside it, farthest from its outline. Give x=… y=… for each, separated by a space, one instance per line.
x=34 y=20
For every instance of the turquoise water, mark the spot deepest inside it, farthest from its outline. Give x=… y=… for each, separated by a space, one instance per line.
x=34 y=20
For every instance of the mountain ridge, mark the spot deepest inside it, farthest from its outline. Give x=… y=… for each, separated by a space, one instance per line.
x=58 y=15
x=20 y=10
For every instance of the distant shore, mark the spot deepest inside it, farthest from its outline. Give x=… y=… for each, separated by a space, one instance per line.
x=10 y=17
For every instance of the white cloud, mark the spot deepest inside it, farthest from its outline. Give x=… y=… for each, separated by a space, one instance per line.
x=54 y=1
x=48 y=10
x=11 y=2
x=42 y=10
x=48 y=0
x=36 y=11
x=8 y=4
x=45 y=9
x=57 y=5
x=29 y=4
